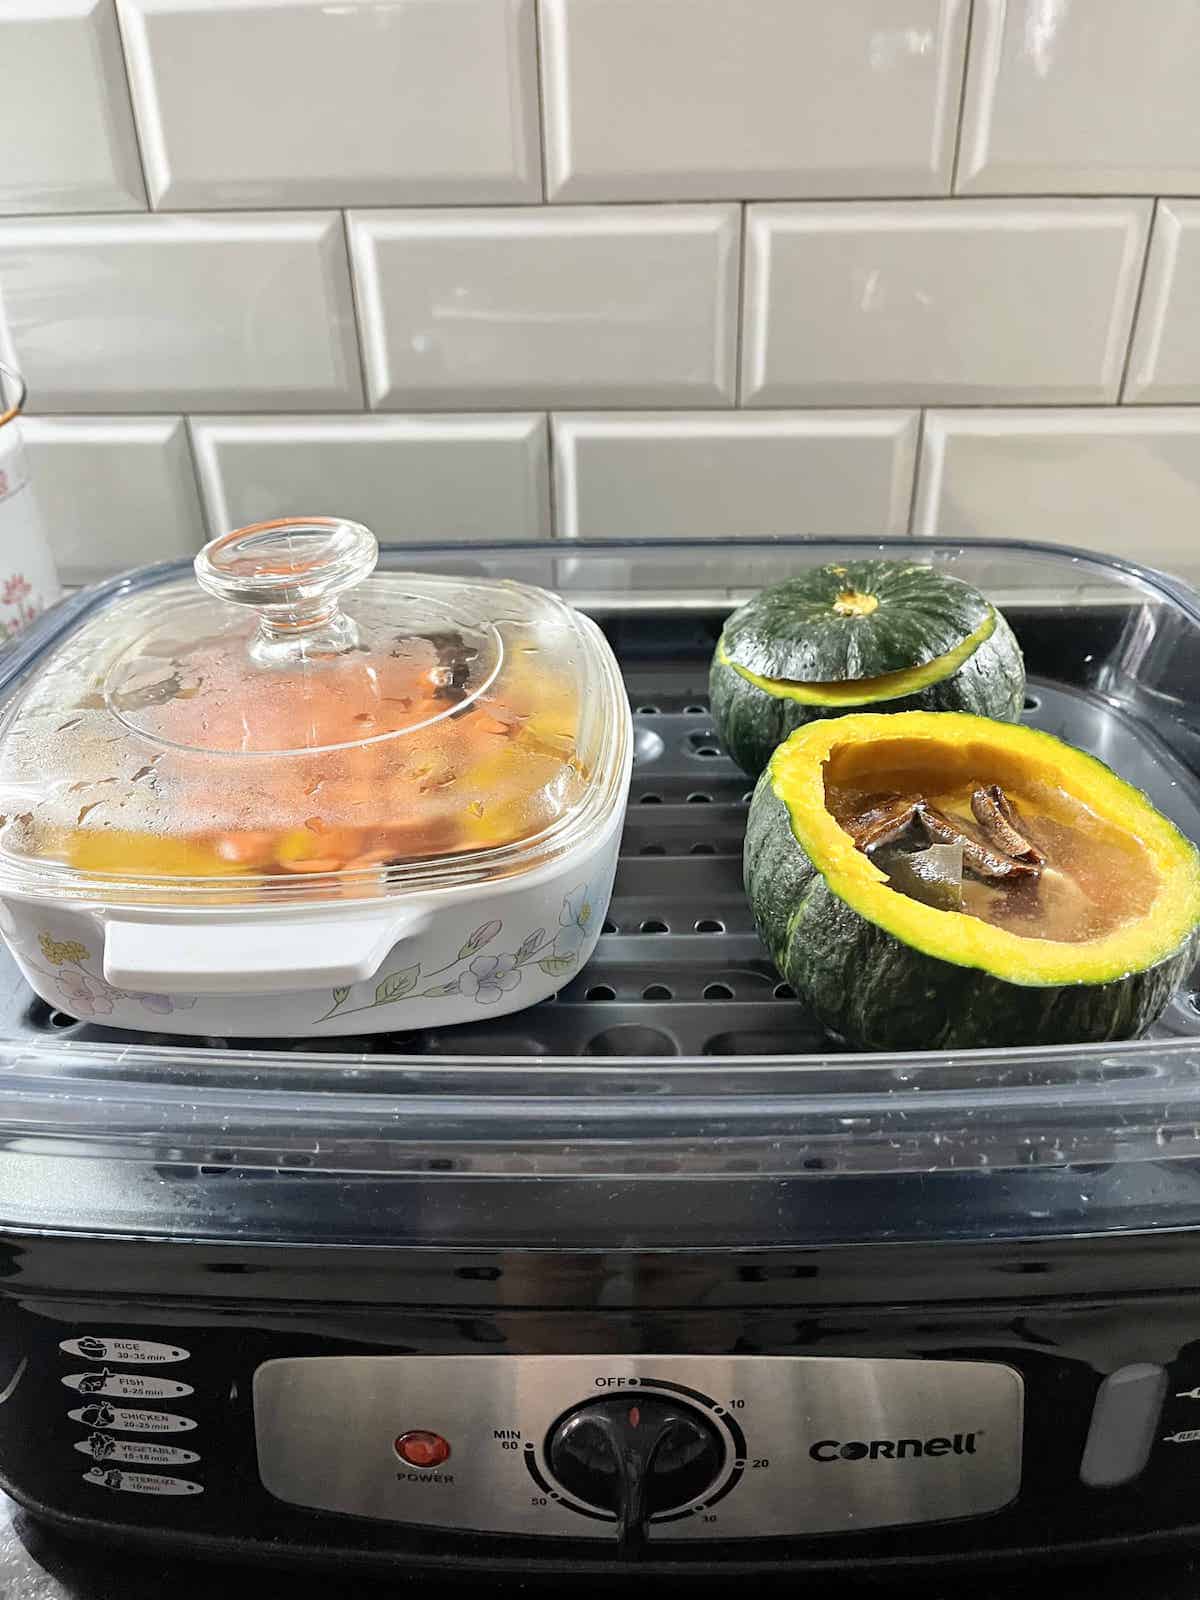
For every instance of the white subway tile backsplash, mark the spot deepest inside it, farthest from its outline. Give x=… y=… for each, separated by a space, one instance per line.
x=366 y=102
x=731 y=246
x=1164 y=361
x=1123 y=481
x=113 y=491
x=155 y=313
x=708 y=99
x=461 y=477
x=535 y=307
x=66 y=130
x=1097 y=97
x=952 y=301
x=724 y=474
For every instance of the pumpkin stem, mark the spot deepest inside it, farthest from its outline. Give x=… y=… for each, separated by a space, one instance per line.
x=852 y=604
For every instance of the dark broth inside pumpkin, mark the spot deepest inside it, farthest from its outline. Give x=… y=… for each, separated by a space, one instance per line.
x=1096 y=878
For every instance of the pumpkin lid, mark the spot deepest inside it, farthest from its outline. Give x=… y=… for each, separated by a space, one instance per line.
x=294 y=720
x=864 y=619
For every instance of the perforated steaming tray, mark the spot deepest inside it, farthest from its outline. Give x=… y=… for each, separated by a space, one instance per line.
x=679 y=970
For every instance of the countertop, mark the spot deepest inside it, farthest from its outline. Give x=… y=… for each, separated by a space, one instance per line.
x=39 y=1564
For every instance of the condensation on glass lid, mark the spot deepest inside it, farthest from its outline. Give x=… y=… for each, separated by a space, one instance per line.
x=181 y=736
x=413 y=665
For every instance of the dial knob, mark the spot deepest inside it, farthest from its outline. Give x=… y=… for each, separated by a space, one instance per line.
x=635 y=1456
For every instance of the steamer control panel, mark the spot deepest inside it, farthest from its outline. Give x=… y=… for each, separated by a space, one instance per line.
x=637 y=1448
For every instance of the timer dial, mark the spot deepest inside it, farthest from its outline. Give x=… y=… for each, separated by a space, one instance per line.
x=635 y=1455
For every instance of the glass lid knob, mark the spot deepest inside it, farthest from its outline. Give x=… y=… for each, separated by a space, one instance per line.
x=291 y=573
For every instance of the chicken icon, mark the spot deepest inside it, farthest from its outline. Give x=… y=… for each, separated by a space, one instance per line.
x=98 y=1416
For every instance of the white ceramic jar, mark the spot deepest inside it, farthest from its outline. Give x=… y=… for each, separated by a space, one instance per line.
x=28 y=581
x=300 y=803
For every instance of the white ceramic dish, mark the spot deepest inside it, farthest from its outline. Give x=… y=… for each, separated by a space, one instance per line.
x=125 y=735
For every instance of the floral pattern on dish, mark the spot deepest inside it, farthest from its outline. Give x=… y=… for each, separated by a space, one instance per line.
x=85 y=994
x=575 y=921
x=488 y=977
x=485 y=979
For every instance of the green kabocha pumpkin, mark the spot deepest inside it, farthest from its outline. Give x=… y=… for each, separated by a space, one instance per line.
x=941 y=881
x=869 y=635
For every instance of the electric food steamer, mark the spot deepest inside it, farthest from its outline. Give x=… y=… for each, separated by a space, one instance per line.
x=349 y=1298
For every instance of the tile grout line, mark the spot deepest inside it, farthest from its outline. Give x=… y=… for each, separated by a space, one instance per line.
x=551 y=474
x=137 y=127
x=348 y=414
x=738 y=401
x=933 y=201
x=356 y=316
x=201 y=496
x=543 y=149
x=1137 y=307
x=918 y=453
x=962 y=101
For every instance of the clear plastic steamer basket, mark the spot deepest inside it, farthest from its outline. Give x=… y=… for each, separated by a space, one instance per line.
x=675 y=1096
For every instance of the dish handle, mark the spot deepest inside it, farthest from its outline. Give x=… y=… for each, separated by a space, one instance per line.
x=283 y=956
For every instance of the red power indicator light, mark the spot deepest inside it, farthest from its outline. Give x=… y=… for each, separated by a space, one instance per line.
x=422 y=1449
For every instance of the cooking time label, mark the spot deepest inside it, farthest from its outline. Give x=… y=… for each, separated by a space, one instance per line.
x=129 y=1352
x=127 y=1420
x=139 y=1452
x=139 y=1482
x=125 y=1385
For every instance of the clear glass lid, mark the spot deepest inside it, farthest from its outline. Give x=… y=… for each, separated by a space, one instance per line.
x=296 y=720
